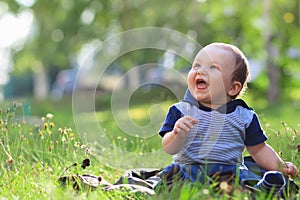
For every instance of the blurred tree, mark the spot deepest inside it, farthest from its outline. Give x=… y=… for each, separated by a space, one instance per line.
x=56 y=39
x=284 y=31
x=265 y=30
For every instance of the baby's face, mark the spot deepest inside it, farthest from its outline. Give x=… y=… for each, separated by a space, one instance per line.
x=209 y=79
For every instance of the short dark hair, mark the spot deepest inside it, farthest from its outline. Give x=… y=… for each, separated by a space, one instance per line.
x=241 y=72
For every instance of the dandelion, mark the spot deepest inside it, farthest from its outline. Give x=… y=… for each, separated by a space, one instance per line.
x=71 y=136
x=88 y=151
x=295 y=132
x=63 y=139
x=41 y=134
x=205 y=191
x=51 y=124
x=77 y=144
x=45 y=126
x=224 y=185
x=49 y=116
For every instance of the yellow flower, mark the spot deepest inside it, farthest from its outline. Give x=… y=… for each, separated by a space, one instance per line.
x=71 y=136
x=51 y=124
x=45 y=125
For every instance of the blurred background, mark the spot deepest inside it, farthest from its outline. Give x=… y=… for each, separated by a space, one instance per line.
x=43 y=43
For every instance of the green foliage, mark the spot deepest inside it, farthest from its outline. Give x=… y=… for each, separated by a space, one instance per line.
x=61 y=31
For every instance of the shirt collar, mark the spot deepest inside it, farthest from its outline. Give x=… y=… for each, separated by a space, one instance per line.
x=224 y=109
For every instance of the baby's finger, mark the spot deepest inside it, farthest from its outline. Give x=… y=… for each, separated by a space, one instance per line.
x=290 y=169
x=177 y=130
x=183 y=125
x=192 y=120
x=187 y=123
x=294 y=172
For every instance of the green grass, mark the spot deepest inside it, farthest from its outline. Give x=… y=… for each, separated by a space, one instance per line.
x=36 y=148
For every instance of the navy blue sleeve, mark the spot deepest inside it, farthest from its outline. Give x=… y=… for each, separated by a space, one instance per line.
x=254 y=133
x=173 y=115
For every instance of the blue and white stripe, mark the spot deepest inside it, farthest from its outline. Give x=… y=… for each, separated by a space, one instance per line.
x=220 y=136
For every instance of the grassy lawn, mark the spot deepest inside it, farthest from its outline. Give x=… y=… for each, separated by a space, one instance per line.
x=36 y=147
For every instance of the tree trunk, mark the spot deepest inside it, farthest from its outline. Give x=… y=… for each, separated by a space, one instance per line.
x=272 y=53
x=273 y=74
x=41 y=84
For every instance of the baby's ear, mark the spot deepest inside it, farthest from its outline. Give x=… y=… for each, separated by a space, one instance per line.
x=236 y=87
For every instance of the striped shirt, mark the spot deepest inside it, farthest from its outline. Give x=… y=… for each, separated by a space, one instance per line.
x=220 y=135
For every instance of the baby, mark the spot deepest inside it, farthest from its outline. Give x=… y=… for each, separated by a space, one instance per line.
x=209 y=129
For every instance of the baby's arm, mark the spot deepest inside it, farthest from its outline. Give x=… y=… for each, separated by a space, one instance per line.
x=267 y=158
x=173 y=141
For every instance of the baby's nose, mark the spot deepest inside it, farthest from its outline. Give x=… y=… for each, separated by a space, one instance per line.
x=201 y=70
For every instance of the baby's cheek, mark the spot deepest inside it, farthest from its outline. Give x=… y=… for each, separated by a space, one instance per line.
x=191 y=79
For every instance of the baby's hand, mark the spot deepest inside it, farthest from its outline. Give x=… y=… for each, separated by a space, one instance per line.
x=290 y=169
x=184 y=125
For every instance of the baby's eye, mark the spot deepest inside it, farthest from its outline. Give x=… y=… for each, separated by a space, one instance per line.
x=213 y=67
x=197 y=66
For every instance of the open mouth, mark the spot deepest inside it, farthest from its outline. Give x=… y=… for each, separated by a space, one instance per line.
x=201 y=84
